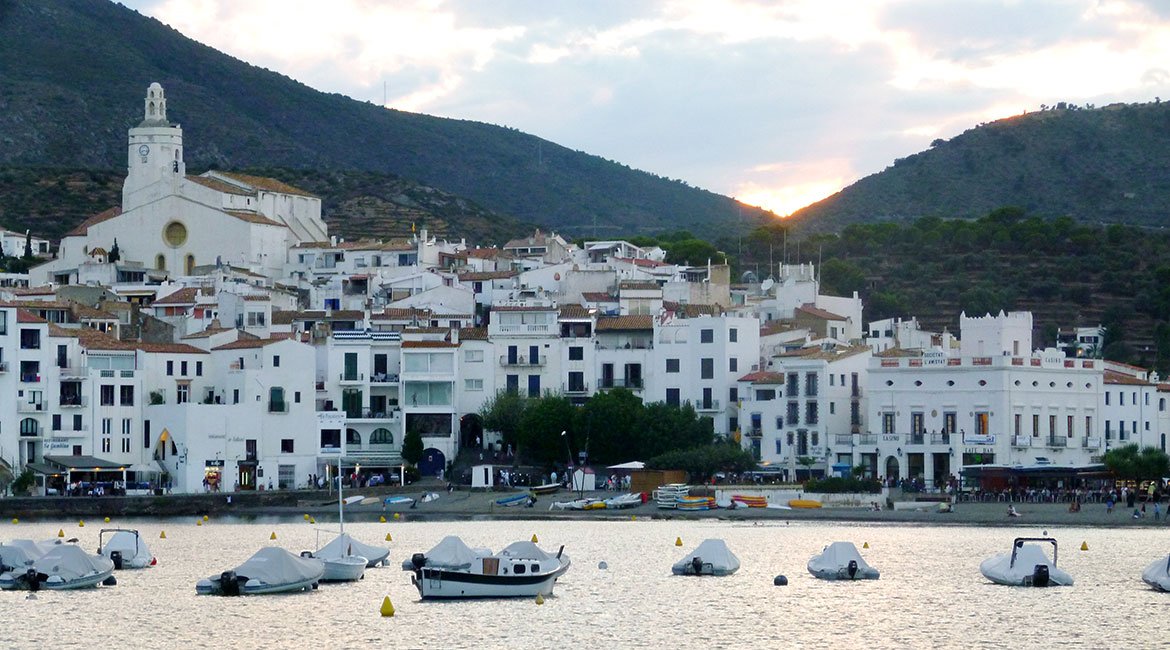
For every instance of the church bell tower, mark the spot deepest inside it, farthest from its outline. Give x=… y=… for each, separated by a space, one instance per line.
x=154 y=153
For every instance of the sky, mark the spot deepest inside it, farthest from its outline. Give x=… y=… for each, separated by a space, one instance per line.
x=778 y=104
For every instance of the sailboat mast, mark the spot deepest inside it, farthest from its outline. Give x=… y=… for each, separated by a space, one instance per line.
x=340 y=502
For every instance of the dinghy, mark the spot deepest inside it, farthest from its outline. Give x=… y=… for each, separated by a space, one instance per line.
x=516 y=500
x=522 y=569
x=711 y=558
x=125 y=549
x=1026 y=565
x=1157 y=575
x=65 y=566
x=271 y=570
x=841 y=561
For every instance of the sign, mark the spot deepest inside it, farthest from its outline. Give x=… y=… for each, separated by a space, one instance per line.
x=213 y=463
x=890 y=437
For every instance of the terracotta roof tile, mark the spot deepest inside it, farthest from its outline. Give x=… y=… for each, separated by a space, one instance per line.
x=219 y=186
x=625 y=323
x=429 y=344
x=574 y=311
x=598 y=296
x=473 y=334
x=82 y=228
x=638 y=285
x=763 y=377
x=817 y=312
x=246 y=344
x=478 y=276
x=184 y=296
x=1114 y=377
x=266 y=184
x=25 y=316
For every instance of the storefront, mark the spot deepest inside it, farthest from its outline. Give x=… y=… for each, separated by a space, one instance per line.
x=213 y=475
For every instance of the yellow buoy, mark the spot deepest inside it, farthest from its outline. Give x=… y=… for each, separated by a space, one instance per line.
x=204 y=517
x=678 y=541
x=273 y=535
x=534 y=540
x=107 y=520
x=382 y=519
x=633 y=517
x=306 y=516
x=865 y=545
x=81 y=524
x=61 y=533
x=539 y=599
x=1084 y=546
x=396 y=515
x=312 y=521
x=198 y=522
x=387 y=607
x=162 y=535
x=389 y=538
x=15 y=520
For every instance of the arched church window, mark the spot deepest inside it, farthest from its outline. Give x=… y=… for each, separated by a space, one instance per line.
x=152 y=109
x=190 y=266
x=160 y=263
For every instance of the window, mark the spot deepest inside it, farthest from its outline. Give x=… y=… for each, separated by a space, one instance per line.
x=777 y=446
x=56 y=422
x=576 y=382
x=918 y=423
x=672 y=365
x=475 y=356
x=30 y=339
x=732 y=364
x=765 y=394
x=183 y=368
x=793 y=413
x=779 y=422
x=733 y=335
x=287 y=445
x=888 y=423
x=792 y=384
x=235 y=396
x=707 y=368
x=352 y=437
x=381 y=436
x=810 y=384
x=472 y=384
x=276 y=400
x=107 y=426
x=199 y=368
x=512 y=383
x=1035 y=425
x=706 y=336
x=297 y=397
x=1052 y=426
x=77 y=422
x=276 y=361
x=982 y=423
x=576 y=353
x=1106 y=398
x=182 y=393
x=1070 y=426
x=810 y=414
x=126 y=397
x=672 y=396
x=107 y=395
x=126 y=425
x=950 y=419
x=170 y=368
x=534 y=385
x=733 y=395
x=1016 y=425
x=832 y=408
x=1088 y=425
x=145 y=434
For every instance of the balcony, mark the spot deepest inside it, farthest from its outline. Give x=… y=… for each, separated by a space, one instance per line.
x=512 y=362
x=707 y=405
x=368 y=414
x=351 y=377
x=78 y=372
x=918 y=438
x=73 y=402
x=867 y=439
x=1091 y=443
x=30 y=377
x=940 y=438
x=843 y=439
x=36 y=432
x=30 y=407
x=633 y=383
x=580 y=389
x=1021 y=441
x=383 y=378
x=755 y=432
x=1057 y=441
x=278 y=407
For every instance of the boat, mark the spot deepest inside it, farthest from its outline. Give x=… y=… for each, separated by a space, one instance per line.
x=547 y=488
x=695 y=503
x=803 y=503
x=342 y=564
x=631 y=500
x=449 y=552
x=1026 y=565
x=524 y=499
x=125 y=549
x=745 y=501
x=375 y=555
x=1157 y=575
x=841 y=561
x=19 y=554
x=522 y=569
x=271 y=570
x=397 y=501
x=667 y=496
x=65 y=566
x=711 y=558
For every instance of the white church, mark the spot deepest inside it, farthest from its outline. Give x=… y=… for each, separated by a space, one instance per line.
x=170 y=223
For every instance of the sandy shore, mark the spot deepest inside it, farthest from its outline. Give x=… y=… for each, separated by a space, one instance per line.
x=481 y=505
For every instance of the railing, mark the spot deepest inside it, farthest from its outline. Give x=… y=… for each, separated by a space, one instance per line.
x=575 y=390
x=74 y=402
x=30 y=378
x=1021 y=441
x=621 y=383
x=383 y=378
x=940 y=438
x=918 y=438
x=278 y=407
x=646 y=345
x=755 y=432
x=868 y=439
x=351 y=376
x=707 y=405
x=78 y=372
x=30 y=407
x=1057 y=441
x=35 y=433
x=843 y=439
x=1091 y=443
x=367 y=414
x=540 y=360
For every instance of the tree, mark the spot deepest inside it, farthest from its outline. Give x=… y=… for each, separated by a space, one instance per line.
x=115 y=254
x=28 y=245
x=541 y=426
x=701 y=463
x=612 y=423
x=412 y=446
x=502 y=414
x=1131 y=463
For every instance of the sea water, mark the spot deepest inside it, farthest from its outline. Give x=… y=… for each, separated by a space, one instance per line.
x=931 y=593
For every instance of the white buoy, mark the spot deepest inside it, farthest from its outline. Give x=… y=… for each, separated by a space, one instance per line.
x=602 y=565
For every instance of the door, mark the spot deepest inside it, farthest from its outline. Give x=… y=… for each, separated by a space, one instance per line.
x=351 y=366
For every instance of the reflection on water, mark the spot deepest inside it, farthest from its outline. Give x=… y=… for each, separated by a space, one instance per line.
x=930 y=595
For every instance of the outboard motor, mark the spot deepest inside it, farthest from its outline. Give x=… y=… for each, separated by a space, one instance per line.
x=306 y=554
x=116 y=558
x=33 y=580
x=852 y=570
x=1040 y=576
x=228 y=584
x=697 y=565
x=418 y=560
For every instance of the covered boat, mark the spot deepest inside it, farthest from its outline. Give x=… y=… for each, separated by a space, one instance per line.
x=454 y=570
x=344 y=542
x=19 y=554
x=271 y=570
x=525 y=499
x=1026 y=565
x=631 y=500
x=841 y=561
x=125 y=548
x=65 y=566
x=1157 y=575
x=711 y=558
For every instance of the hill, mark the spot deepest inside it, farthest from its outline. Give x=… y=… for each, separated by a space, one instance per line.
x=1108 y=164
x=75 y=72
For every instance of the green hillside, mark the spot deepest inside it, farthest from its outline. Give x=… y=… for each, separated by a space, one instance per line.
x=1095 y=165
x=75 y=71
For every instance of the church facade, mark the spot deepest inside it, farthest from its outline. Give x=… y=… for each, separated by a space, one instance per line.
x=169 y=222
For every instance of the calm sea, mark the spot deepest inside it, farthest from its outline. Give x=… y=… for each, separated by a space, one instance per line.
x=930 y=595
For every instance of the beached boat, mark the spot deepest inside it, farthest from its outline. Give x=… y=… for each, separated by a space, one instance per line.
x=1157 y=575
x=689 y=503
x=1026 y=565
x=397 y=501
x=711 y=558
x=744 y=501
x=454 y=570
x=271 y=570
x=65 y=566
x=667 y=496
x=547 y=488
x=515 y=500
x=841 y=561
x=803 y=503
x=125 y=548
x=631 y=500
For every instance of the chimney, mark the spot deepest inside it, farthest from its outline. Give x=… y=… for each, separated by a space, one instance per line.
x=454 y=335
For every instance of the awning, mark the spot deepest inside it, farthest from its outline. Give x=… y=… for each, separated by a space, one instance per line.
x=633 y=464
x=84 y=463
x=41 y=468
x=149 y=468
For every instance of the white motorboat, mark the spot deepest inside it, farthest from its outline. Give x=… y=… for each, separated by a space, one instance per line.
x=125 y=549
x=375 y=555
x=1026 y=565
x=711 y=558
x=449 y=553
x=631 y=500
x=344 y=561
x=65 y=566
x=271 y=570
x=19 y=554
x=454 y=570
x=1157 y=575
x=841 y=561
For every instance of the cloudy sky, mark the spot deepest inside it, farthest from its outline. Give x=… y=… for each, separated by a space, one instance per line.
x=777 y=103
